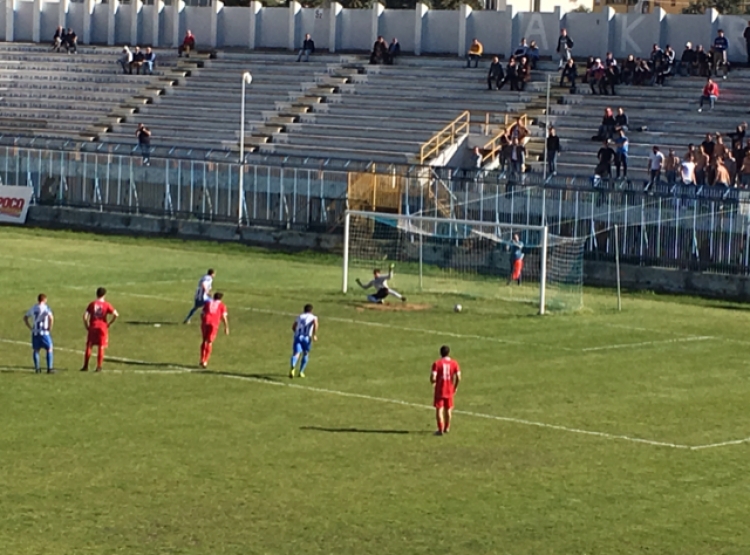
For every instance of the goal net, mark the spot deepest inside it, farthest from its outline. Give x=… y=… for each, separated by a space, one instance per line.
x=466 y=258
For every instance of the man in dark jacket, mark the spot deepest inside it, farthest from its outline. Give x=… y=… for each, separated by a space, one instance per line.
x=495 y=75
x=511 y=75
x=308 y=47
x=394 y=51
x=564 y=46
x=379 y=52
x=553 y=149
x=687 y=61
x=746 y=36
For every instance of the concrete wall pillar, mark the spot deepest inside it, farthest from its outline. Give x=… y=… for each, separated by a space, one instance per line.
x=419 y=13
x=464 y=12
x=252 y=32
x=177 y=7
x=376 y=12
x=88 y=15
x=216 y=7
x=10 y=14
x=155 y=18
x=294 y=8
x=136 y=7
x=62 y=13
x=36 y=17
x=333 y=22
x=113 y=6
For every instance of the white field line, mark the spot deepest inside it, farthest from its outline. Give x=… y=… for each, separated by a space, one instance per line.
x=185 y=370
x=648 y=343
x=722 y=444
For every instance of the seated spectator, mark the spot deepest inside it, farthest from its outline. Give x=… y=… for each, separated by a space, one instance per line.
x=589 y=64
x=596 y=77
x=188 y=44
x=655 y=57
x=125 y=59
x=687 y=170
x=149 y=61
x=394 y=51
x=533 y=54
x=475 y=53
x=621 y=120
x=671 y=167
x=686 y=65
x=665 y=67
x=722 y=177
x=607 y=128
x=137 y=62
x=628 y=71
x=511 y=75
x=569 y=72
x=702 y=62
x=524 y=73
x=642 y=73
x=71 y=41
x=379 y=53
x=611 y=77
x=308 y=48
x=522 y=49
x=495 y=75
x=57 y=39
x=611 y=63
x=710 y=94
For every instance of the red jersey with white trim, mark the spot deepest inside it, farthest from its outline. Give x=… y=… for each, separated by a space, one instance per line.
x=443 y=371
x=98 y=312
x=213 y=312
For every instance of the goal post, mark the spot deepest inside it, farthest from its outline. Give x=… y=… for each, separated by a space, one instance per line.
x=467 y=257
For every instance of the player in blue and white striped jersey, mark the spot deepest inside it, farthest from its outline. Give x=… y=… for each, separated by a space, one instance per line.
x=202 y=294
x=39 y=320
x=305 y=330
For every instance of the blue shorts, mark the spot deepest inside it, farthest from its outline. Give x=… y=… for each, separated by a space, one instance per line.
x=199 y=303
x=301 y=345
x=39 y=342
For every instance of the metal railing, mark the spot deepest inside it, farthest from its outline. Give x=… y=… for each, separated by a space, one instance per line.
x=448 y=135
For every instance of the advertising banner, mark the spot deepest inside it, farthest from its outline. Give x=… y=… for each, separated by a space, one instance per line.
x=14 y=204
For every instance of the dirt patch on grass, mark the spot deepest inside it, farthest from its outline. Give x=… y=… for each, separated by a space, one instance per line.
x=394 y=307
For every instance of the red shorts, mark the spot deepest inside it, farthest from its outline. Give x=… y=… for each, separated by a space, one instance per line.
x=97 y=337
x=443 y=402
x=209 y=332
x=517 y=268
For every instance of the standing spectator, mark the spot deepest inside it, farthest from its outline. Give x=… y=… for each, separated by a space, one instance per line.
x=671 y=167
x=476 y=158
x=394 y=51
x=605 y=156
x=379 y=52
x=517 y=157
x=533 y=54
x=188 y=44
x=137 y=62
x=720 y=149
x=517 y=131
x=690 y=152
x=475 y=53
x=710 y=94
x=553 y=149
x=722 y=177
x=564 y=46
x=708 y=145
x=308 y=48
x=687 y=61
x=687 y=170
x=495 y=75
x=144 y=142
x=569 y=72
x=524 y=73
x=701 y=164
x=621 y=153
x=149 y=60
x=655 y=165
x=71 y=41
x=746 y=36
x=719 y=49
x=745 y=168
x=738 y=138
x=666 y=64
x=511 y=75
x=125 y=59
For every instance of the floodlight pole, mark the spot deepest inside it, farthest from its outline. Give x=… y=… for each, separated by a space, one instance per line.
x=247 y=78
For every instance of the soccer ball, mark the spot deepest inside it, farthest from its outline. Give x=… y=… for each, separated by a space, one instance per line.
x=458 y=308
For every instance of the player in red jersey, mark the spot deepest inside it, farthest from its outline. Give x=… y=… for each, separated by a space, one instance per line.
x=214 y=312
x=99 y=316
x=445 y=378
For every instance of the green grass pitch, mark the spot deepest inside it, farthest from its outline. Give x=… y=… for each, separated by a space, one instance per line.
x=587 y=433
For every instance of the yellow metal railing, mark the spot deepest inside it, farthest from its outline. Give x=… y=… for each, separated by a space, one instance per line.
x=493 y=147
x=448 y=135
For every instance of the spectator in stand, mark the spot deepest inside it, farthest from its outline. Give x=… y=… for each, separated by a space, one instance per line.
x=687 y=61
x=702 y=65
x=379 y=53
x=737 y=138
x=607 y=128
x=621 y=153
x=722 y=177
x=605 y=156
x=511 y=75
x=137 y=63
x=655 y=165
x=710 y=94
x=57 y=39
x=701 y=166
x=308 y=49
x=522 y=50
x=495 y=75
x=621 y=120
x=517 y=157
x=569 y=72
x=188 y=44
x=719 y=49
x=553 y=150
x=144 y=142
x=533 y=54
x=524 y=73
x=745 y=169
x=590 y=62
x=564 y=47
x=394 y=51
x=671 y=167
x=642 y=73
x=149 y=61
x=655 y=58
x=597 y=77
x=71 y=41
x=720 y=149
x=687 y=170
x=708 y=145
x=517 y=131
x=476 y=158
x=665 y=67
x=475 y=53
x=125 y=59
x=628 y=71
x=746 y=36
x=690 y=151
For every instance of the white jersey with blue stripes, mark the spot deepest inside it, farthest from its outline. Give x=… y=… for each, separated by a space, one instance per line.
x=203 y=293
x=305 y=325
x=41 y=316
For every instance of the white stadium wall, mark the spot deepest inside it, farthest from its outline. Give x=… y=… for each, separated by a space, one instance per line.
x=420 y=31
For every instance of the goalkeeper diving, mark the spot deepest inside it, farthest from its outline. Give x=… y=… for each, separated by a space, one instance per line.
x=380 y=283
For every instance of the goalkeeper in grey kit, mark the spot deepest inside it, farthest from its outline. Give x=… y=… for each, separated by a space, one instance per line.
x=380 y=284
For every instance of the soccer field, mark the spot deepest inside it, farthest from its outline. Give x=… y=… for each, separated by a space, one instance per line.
x=588 y=433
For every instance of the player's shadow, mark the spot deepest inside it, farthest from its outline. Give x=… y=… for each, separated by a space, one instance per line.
x=239 y=376
x=360 y=430
x=140 y=323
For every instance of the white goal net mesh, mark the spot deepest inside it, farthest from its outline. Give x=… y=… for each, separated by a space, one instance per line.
x=473 y=259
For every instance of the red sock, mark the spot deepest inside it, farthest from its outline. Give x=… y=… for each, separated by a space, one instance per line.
x=203 y=352
x=87 y=356
x=439 y=424
x=99 y=357
x=209 y=347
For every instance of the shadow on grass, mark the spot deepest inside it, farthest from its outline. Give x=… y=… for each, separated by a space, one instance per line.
x=159 y=323
x=360 y=430
x=25 y=370
x=263 y=377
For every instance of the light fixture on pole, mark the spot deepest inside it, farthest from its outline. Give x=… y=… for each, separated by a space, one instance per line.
x=247 y=78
